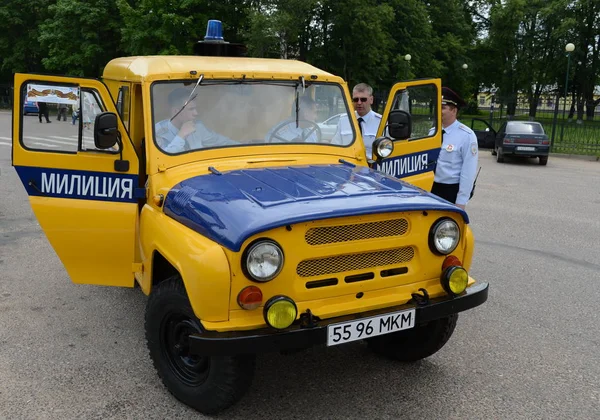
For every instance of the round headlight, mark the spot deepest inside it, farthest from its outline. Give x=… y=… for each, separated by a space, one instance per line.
x=444 y=236
x=264 y=260
x=385 y=148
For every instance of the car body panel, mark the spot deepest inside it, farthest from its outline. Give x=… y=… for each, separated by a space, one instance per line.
x=29 y=107
x=273 y=197
x=486 y=135
x=414 y=159
x=87 y=209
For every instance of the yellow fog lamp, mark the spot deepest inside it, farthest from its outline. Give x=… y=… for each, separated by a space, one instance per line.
x=280 y=312
x=455 y=280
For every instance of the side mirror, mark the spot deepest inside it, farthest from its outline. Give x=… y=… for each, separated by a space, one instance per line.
x=105 y=130
x=399 y=124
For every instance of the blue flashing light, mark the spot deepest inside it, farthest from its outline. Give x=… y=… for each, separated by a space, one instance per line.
x=214 y=31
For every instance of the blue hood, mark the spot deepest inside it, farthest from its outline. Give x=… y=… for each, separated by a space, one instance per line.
x=231 y=207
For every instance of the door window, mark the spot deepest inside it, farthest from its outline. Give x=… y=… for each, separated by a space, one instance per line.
x=64 y=120
x=123 y=105
x=420 y=102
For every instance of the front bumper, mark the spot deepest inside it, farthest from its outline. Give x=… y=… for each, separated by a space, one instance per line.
x=212 y=343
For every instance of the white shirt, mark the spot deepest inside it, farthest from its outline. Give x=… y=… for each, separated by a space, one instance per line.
x=370 y=125
x=457 y=163
x=169 y=141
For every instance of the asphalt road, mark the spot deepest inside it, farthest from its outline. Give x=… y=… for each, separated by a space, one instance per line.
x=74 y=351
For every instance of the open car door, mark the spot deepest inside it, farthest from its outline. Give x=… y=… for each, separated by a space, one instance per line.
x=83 y=189
x=413 y=159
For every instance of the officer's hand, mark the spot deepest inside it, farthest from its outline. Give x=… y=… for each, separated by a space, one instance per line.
x=462 y=206
x=186 y=129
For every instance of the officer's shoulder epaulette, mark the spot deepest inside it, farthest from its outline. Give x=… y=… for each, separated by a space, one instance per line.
x=378 y=116
x=465 y=128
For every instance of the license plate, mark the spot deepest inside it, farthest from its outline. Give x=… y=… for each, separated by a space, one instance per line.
x=346 y=332
x=526 y=149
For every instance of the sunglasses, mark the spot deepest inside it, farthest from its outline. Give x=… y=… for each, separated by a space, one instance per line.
x=360 y=99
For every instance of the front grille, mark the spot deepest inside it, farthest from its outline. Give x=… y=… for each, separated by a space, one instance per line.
x=343 y=263
x=356 y=232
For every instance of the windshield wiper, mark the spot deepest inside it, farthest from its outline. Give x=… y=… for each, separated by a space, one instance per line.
x=190 y=98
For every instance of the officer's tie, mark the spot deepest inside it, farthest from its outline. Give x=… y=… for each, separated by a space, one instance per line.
x=443 y=132
x=360 y=121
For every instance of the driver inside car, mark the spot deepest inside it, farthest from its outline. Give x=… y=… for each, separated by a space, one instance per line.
x=304 y=130
x=183 y=131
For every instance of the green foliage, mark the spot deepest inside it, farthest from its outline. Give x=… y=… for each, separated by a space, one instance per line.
x=80 y=36
x=20 y=50
x=516 y=46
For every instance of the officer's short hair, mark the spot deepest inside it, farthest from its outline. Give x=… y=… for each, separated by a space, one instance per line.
x=363 y=87
x=178 y=96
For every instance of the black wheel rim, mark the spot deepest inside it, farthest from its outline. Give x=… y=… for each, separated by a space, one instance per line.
x=192 y=370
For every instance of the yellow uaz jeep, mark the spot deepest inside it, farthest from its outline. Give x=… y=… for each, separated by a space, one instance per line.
x=229 y=190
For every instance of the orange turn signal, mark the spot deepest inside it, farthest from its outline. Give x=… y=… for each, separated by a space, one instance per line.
x=451 y=261
x=250 y=298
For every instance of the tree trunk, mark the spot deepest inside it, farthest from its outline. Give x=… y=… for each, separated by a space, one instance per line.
x=572 y=109
x=590 y=108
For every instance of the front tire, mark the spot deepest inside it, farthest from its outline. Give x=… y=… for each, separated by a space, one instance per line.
x=416 y=343
x=209 y=384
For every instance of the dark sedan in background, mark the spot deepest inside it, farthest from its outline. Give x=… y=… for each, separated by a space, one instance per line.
x=515 y=138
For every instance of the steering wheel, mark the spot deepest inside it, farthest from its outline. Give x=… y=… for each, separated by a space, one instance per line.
x=306 y=132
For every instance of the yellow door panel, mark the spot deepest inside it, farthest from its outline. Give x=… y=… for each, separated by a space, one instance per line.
x=86 y=198
x=414 y=159
x=91 y=238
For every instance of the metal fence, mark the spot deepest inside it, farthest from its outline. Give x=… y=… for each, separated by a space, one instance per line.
x=566 y=136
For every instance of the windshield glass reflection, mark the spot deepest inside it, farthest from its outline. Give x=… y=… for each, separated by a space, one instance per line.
x=235 y=113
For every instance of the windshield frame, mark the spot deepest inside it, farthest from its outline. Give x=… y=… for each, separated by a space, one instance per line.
x=296 y=84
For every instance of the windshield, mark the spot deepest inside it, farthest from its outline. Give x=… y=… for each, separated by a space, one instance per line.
x=241 y=113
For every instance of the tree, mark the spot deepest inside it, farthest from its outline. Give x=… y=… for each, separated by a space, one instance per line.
x=355 y=41
x=152 y=27
x=20 y=50
x=80 y=36
x=454 y=38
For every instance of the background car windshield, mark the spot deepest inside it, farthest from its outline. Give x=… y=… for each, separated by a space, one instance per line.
x=524 y=128
x=229 y=114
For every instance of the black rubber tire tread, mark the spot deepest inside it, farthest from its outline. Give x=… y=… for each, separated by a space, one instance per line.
x=229 y=377
x=543 y=160
x=417 y=343
x=499 y=155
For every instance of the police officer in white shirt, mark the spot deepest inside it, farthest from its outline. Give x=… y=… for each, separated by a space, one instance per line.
x=182 y=132
x=457 y=163
x=368 y=120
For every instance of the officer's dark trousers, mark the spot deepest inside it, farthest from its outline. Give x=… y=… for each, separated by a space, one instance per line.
x=446 y=191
